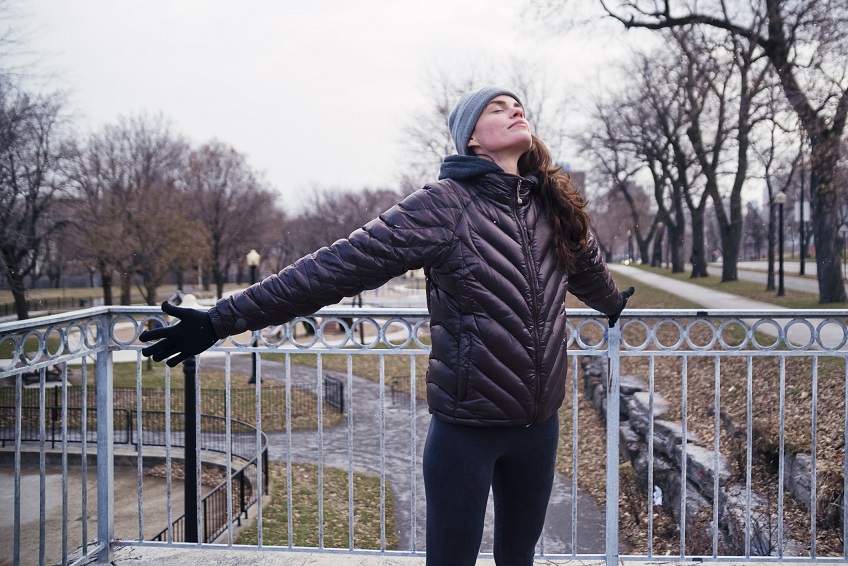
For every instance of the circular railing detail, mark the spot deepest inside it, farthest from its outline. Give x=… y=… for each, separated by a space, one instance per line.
x=588 y=323
x=680 y=334
x=728 y=324
x=630 y=325
x=778 y=337
x=803 y=322
x=820 y=332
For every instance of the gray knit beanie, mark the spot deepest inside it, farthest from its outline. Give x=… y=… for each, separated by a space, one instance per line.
x=464 y=116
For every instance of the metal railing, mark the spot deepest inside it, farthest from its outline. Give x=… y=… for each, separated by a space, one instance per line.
x=715 y=421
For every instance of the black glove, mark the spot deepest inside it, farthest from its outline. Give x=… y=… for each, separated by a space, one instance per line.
x=613 y=318
x=192 y=335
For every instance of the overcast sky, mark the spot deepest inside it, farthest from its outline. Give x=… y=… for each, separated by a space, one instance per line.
x=315 y=93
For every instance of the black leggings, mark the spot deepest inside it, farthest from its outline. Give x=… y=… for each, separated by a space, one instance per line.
x=461 y=463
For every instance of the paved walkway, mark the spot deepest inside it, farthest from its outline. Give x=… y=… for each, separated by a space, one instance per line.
x=791 y=267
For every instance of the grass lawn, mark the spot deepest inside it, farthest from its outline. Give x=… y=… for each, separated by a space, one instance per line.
x=72 y=293
x=304 y=414
x=366 y=510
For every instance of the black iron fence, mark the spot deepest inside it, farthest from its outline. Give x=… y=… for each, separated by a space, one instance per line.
x=154 y=427
x=213 y=505
x=213 y=438
x=303 y=402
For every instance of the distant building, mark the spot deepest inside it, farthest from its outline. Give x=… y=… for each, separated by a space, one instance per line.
x=577 y=177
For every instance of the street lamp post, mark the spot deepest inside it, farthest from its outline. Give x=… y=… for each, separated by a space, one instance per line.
x=190 y=433
x=780 y=199
x=253 y=259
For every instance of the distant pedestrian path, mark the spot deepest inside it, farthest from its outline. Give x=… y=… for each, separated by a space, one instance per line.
x=698 y=294
x=757 y=271
x=790 y=267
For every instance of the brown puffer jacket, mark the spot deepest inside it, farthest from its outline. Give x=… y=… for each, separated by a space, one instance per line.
x=495 y=291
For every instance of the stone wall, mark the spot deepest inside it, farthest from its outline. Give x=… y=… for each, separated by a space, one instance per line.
x=701 y=469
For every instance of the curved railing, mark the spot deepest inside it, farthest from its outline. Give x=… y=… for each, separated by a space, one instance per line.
x=213 y=506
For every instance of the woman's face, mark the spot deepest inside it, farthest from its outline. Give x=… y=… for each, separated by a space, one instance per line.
x=501 y=129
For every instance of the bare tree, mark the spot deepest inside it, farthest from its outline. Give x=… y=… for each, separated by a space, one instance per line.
x=334 y=214
x=806 y=42
x=612 y=219
x=30 y=157
x=96 y=179
x=427 y=137
x=235 y=208
x=656 y=125
x=130 y=216
x=604 y=144
x=722 y=83
x=779 y=162
x=172 y=238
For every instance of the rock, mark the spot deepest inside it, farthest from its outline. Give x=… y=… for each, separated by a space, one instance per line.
x=599 y=397
x=630 y=384
x=669 y=483
x=762 y=530
x=637 y=410
x=630 y=444
x=666 y=437
x=796 y=476
x=699 y=467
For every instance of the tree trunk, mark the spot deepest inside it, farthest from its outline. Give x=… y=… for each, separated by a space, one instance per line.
x=676 y=241
x=698 y=258
x=19 y=295
x=219 y=282
x=150 y=294
x=823 y=191
x=126 y=288
x=644 y=249
x=729 y=252
x=656 y=255
x=106 y=283
x=677 y=236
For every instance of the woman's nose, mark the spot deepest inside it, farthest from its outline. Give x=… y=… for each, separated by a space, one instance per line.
x=518 y=111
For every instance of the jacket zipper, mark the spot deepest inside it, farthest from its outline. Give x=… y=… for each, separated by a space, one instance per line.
x=537 y=343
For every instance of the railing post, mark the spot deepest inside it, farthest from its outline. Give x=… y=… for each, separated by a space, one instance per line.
x=105 y=448
x=613 y=399
x=265 y=475
x=190 y=456
x=242 y=510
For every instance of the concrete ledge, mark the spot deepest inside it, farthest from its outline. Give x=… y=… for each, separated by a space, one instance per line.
x=170 y=556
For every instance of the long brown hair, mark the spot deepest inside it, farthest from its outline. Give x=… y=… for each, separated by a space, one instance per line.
x=564 y=205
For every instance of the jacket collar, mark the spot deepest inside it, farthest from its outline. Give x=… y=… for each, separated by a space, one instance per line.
x=488 y=177
x=464 y=167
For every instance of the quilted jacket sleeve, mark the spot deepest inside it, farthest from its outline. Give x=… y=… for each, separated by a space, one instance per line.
x=592 y=283
x=413 y=233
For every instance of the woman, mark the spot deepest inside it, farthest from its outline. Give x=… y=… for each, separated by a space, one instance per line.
x=502 y=236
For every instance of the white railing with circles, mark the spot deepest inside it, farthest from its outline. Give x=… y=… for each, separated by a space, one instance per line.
x=726 y=360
